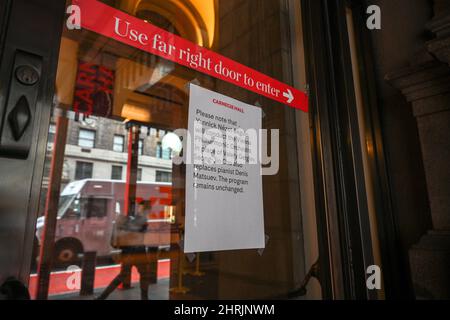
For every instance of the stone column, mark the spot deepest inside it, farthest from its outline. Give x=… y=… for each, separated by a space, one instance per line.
x=440 y=26
x=426 y=84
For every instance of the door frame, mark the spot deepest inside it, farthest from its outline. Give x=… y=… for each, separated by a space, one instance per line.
x=342 y=214
x=395 y=271
x=343 y=225
x=22 y=30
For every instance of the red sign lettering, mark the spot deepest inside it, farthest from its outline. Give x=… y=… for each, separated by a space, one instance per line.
x=94 y=90
x=115 y=24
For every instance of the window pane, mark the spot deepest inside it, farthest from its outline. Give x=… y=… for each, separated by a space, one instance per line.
x=141 y=147
x=167 y=154
x=158 y=150
x=127 y=88
x=83 y=170
x=163 y=176
x=118 y=143
x=87 y=134
x=116 y=173
x=94 y=207
x=86 y=138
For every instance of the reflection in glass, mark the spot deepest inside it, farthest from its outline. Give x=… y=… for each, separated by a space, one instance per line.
x=121 y=106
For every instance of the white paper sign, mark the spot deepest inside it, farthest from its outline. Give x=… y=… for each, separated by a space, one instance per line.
x=224 y=204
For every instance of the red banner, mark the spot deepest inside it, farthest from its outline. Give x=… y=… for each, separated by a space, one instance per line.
x=115 y=24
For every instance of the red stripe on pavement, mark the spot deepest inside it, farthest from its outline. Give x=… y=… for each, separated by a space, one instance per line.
x=59 y=283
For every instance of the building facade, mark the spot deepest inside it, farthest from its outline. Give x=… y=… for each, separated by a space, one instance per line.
x=102 y=144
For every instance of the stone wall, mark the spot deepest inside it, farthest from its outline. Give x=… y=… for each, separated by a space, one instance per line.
x=402 y=34
x=105 y=130
x=425 y=83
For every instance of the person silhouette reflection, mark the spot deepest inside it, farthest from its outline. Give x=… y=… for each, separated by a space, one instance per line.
x=129 y=233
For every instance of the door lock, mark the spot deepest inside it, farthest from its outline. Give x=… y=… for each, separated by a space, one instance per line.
x=27 y=75
x=17 y=115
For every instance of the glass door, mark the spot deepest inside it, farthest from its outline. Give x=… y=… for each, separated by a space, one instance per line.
x=111 y=217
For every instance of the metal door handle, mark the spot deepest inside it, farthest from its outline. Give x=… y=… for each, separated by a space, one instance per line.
x=18 y=113
x=314 y=272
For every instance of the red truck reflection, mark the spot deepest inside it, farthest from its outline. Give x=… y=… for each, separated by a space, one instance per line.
x=88 y=210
